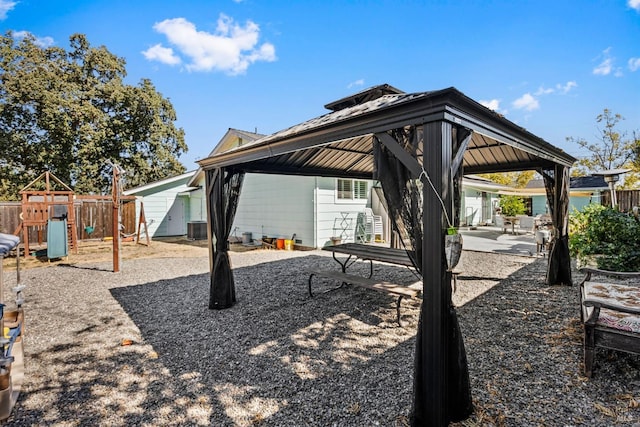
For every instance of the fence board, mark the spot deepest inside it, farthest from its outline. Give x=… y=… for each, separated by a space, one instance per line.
x=627 y=199
x=89 y=212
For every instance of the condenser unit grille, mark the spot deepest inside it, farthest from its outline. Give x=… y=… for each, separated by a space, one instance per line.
x=197 y=230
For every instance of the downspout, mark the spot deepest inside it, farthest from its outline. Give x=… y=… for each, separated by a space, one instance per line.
x=315 y=212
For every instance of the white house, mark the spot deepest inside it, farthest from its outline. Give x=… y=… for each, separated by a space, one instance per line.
x=315 y=209
x=480 y=198
x=583 y=190
x=168 y=205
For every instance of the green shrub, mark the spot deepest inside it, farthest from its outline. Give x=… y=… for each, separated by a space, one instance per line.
x=512 y=205
x=612 y=237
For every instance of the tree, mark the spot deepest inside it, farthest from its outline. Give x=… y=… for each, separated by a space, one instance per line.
x=512 y=205
x=513 y=179
x=69 y=112
x=612 y=149
x=610 y=237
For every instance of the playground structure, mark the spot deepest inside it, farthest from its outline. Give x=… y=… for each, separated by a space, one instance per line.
x=42 y=204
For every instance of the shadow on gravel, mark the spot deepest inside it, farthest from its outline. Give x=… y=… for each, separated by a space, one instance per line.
x=85 y=267
x=279 y=355
x=524 y=349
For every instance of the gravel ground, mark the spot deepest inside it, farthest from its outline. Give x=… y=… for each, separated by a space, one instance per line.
x=140 y=347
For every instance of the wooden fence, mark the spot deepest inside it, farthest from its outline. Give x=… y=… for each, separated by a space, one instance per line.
x=627 y=199
x=90 y=212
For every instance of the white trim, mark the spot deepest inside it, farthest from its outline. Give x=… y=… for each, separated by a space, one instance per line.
x=157 y=184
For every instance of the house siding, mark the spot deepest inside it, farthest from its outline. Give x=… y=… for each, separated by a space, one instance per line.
x=472 y=211
x=197 y=204
x=539 y=205
x=576 y=203
x=157 y=202
x=331 y=212
x=472 y=207
x=280 y=206
x=276 y=206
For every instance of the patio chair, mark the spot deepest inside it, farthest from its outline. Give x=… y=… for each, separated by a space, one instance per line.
x=527 y=223
x=610 y=313
x=369 y=227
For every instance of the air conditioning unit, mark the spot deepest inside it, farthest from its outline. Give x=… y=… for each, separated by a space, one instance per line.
x=197 y=230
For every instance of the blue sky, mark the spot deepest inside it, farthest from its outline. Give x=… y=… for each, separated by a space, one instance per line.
x=549 y=66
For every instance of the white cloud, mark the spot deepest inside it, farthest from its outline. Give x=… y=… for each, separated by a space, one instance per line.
x=492 y=104
x=605 y=67
x=232 y=48
x=544 y=91
x=43 y=42
x=161 y=54
x=559 y=88
x=634 y=4
x=564 y=89
x=359 y=82
x=5 y=7
x=526 y=102
x=634 y=63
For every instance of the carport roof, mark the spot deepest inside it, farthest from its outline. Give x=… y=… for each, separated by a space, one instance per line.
x=340 y=143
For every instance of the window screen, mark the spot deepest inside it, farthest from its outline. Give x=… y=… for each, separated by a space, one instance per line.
x=352 y=190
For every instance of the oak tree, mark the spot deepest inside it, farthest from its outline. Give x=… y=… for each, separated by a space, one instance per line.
x=70 y=112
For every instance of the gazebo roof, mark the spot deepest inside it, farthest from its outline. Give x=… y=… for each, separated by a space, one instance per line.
x=340 y=143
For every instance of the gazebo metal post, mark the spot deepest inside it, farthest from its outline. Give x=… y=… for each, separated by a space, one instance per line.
x=214 y=190
x=436 y=160
x=208 y=182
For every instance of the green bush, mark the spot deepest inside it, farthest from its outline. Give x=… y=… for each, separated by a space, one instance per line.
x=612 y=237
x=512 y=205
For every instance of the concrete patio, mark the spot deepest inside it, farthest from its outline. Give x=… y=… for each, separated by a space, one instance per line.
x=492 y=239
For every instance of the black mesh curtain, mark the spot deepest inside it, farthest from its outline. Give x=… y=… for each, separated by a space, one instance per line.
x=223 y=190
x=394 y=238
x=556 y=182
x=404 y=199
x=403 y=194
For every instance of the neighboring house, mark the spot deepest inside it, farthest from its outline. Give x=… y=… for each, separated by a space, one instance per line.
x=480 y=198
x=584 y=190
x=167 y=205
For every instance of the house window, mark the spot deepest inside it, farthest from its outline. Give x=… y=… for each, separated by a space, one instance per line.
x=349 y=189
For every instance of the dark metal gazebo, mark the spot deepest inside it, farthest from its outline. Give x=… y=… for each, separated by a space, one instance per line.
x=418 y=145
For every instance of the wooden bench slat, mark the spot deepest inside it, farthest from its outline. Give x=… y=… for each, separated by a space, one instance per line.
x=400 y=291
x=365 y=282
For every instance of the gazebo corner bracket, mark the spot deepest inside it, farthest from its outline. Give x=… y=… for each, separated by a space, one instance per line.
x=401 y=154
